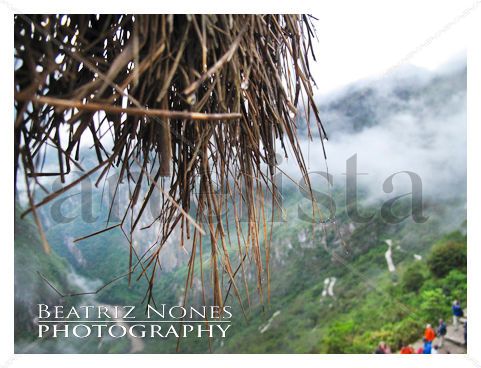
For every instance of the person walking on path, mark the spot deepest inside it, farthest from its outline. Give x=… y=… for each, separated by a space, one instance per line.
x=383 y=348
x=427 y=347
x=442 y=330
x=386 y=348
x=457 y=313
x=380 y=348
x=429 y=333
x=406 y=349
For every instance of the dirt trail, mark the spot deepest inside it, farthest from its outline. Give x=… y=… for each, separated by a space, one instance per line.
x=136 y=343
x=329 y=283
x=388 y=255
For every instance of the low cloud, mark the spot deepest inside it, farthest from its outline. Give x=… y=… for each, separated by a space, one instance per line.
x=413 y=120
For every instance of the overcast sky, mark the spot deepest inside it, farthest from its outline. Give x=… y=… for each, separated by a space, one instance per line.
x=365 y=39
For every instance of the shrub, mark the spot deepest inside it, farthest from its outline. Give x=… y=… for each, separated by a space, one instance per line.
x=434 y=305
x=447 y=256
x=368 y=341
x=412 y=278
x=455 y=285
x=406 y=331
x=339 y=337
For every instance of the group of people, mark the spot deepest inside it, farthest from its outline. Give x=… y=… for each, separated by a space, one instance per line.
x=430 y=335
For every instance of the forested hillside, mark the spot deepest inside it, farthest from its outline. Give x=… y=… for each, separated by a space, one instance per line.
x=336 y=285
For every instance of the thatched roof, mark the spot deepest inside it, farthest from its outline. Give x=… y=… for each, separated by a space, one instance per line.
x=189 y=97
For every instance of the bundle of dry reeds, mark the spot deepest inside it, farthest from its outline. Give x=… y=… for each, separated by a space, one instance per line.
x=190 y=97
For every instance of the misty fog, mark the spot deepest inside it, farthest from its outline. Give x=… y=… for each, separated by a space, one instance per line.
x=413 y=120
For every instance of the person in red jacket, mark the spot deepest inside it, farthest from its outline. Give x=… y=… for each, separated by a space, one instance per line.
x=429 y=333
x=408 y=349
